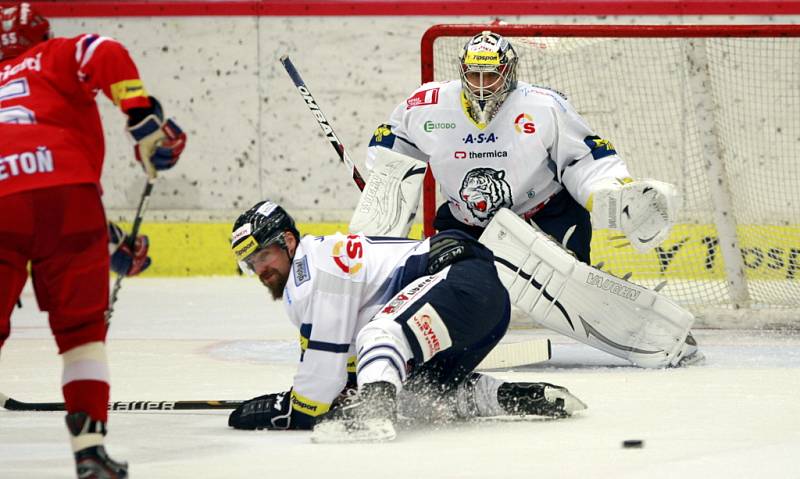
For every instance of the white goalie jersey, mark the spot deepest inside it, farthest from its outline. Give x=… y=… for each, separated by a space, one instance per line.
x=336 y=285
x=535 y=146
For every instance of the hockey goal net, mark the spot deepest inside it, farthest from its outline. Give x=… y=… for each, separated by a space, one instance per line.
x=714 y=110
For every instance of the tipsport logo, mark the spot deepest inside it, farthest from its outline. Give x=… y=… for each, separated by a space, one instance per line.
x=524 y=124
x=429 y=126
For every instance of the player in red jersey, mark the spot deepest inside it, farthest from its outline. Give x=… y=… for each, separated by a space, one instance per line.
x=51 y=215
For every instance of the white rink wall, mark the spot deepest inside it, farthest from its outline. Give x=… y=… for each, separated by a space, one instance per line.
x=250 y=133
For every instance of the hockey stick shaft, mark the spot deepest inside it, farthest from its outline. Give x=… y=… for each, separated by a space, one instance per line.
x=505 y=355
x=322 y=120
x=137 y=406
x=131 y=241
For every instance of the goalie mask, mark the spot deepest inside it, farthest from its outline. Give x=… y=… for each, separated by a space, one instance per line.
x=21 y=27
x=257 y=228
x=488 y=74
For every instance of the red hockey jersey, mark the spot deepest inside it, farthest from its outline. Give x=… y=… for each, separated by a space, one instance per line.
x=50 y=129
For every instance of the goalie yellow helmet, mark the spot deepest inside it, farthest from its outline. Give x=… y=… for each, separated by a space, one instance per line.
x=488 y=74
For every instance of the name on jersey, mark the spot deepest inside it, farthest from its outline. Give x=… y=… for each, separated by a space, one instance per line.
x=480 y=138
x=478 y=155
x=26 y=163
x=30 y=63
x=429 y=126
x=424 y=97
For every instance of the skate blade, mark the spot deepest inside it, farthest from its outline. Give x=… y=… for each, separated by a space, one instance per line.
x=695 y=358
x=343 y=432
x=571 y=403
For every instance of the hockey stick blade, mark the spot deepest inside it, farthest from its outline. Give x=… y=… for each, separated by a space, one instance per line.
x=11 y=404
x=509 y=355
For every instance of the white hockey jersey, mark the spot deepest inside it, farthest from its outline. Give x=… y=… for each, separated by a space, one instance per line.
x=337 y=284
x=535 y=146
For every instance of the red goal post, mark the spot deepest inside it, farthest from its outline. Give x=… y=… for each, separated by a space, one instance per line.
x=712 y=108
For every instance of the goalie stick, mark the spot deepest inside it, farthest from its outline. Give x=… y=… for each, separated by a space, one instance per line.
x=323 y=122
x=511 y=355
x=131 y=240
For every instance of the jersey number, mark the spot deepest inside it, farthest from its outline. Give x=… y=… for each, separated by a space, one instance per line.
x=16 y=114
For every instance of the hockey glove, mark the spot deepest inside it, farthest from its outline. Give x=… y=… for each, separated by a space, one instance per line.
x=159 y=142
x=644 y=210
x=270 y=411
x=124 y=260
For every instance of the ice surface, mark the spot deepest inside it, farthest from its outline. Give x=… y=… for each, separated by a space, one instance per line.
x=735 y=416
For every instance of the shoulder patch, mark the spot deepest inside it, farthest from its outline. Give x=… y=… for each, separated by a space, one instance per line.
x=423 y=97
x=301 y=271
x=383 y=136
x=599 y=147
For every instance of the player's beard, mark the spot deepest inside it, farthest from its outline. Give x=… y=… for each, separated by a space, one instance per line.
x=275 y=281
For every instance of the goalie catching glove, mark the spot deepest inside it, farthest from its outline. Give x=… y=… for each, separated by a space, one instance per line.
x=127 y=261
x=644 y=210
x=159 y=142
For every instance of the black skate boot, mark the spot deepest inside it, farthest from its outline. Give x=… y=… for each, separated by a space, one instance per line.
x=368 y=416
x=539 y=399
x=92 y=461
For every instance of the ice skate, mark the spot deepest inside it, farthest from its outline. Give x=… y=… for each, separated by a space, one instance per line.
x=92 y=461
x=690 y=354
x=539 y=399
x=368 y=416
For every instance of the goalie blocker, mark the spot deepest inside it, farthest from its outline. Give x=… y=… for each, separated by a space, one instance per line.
x=389 y=202
x=586 y=304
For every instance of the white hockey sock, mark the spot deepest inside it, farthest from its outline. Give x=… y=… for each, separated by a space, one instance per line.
x=86 y=362
x=383 y=352
x=477 y=397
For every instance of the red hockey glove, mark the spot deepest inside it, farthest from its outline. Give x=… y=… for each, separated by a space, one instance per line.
x=159 y=142
x=124 y=261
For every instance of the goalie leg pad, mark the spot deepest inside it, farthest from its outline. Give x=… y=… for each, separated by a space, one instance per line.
x=389 y=202
x=582 y=302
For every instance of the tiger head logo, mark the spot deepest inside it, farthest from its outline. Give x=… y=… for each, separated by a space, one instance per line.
x=485 y=191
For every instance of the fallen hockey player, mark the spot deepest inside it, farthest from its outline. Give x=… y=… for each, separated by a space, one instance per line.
x=393 y=316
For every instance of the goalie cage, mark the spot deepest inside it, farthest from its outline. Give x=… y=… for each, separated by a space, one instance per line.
x=711 y=109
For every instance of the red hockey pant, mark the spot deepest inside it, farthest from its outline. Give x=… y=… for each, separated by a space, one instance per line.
x=61 y=231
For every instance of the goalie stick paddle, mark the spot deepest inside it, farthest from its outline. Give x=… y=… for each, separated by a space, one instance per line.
x=323 y=122
x=511 y=355
x=131 y=240
x=137 y=406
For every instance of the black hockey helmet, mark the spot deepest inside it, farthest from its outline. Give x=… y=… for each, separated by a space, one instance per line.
x=262 y=225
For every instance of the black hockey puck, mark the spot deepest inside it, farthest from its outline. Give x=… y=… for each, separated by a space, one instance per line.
x=633 y=444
